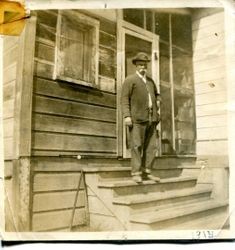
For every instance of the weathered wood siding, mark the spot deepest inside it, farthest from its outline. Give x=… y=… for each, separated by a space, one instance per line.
x=68 y=118
x=10 y=57
x=210 y=82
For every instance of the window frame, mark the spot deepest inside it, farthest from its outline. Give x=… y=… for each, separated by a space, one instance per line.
x=84 y=20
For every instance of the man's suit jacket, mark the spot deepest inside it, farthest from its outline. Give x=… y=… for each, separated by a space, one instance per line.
x=135 y=99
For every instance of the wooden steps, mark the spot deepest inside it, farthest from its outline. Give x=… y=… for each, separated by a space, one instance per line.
x=156 y=219
x=136 y=199
x=177 y=201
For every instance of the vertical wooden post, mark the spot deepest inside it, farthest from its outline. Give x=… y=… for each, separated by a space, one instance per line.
x=172 y=84
x=22 y=125
x=119 y=83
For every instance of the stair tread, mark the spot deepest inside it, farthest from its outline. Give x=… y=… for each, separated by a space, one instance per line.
x=105 y=169
x=142 y=198
x=124 y=183
x=161 y=215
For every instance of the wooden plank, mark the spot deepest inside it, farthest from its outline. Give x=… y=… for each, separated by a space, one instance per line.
x=208 y=98
x=208 y=42
x=208 y=20
x=55 y=181
x=44 y=52
x=9 y=42
x=8 y=127
x=47 y=17
x=209 y=63
x=209 y=75
x=211 y=109
x=73 y=92
x=8 y=169
x=212 y=133
x=210 y=86
x=206 y=12
x=8 y=148
x=107 y=84
x=10 y=56
x=43 y=70
x=212 y=147
x=214 y=29
x=211 y=121
x=69 y=153
x=8 y=109
x=209 y=52
x=73 y=109
x=64 y=142
x=24 y=89
x=9 y=91
x=9 y=73
x=57 y=200
x=58 y=219
x=70 y=125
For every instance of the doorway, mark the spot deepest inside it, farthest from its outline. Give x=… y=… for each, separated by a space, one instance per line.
x=131 y=40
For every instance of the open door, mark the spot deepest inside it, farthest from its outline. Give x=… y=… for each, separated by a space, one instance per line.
x=132 y=40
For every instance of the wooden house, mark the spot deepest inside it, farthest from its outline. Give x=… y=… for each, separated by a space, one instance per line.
x=62 y=120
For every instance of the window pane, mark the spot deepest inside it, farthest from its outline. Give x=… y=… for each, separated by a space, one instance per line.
x=181 y=31
x=164 y=63
x=183 y=103
x=76 y=50
x=166 y=121
x=182 y=69
x=162 y=25
x=149 y=20
x=135 y=16
x=184 y=123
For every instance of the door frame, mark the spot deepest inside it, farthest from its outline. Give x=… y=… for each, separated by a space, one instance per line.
x=124 y=28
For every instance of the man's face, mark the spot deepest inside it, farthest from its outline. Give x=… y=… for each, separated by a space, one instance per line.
x=141 y=67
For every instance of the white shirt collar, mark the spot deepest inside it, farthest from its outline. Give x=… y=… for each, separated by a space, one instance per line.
x=141 y=76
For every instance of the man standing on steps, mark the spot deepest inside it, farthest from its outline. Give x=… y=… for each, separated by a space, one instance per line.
x=140 y=111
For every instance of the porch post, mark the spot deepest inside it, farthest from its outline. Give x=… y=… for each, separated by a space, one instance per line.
x=22 y=126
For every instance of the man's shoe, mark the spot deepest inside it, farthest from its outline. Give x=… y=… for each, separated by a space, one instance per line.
x=137 y=178
x=153 y=178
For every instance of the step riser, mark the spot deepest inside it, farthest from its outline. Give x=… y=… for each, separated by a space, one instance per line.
x=158 y=187
x=155 y=205
x=162 y=173
x=189 y=222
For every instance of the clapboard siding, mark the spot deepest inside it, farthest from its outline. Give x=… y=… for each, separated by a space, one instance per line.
x=45 y=182
x=64 y=111
x=210 y=85
x=73 y=142
x=59 y=219
x=212 y=133
x=213 y=97
x=60 y=124
x=8 y=127
x=57 y=200
x=211 y=109
x=47 y=105
x=10 y=62
x=73 y=93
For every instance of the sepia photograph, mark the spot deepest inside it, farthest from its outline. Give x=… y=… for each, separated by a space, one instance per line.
x=117 y=118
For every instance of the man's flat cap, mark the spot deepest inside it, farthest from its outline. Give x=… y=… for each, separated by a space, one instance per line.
x=141 y=56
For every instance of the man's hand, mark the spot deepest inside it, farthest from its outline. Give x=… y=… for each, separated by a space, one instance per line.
x=128 y=121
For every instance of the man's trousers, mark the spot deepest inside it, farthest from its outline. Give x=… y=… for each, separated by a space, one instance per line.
x=143 y=147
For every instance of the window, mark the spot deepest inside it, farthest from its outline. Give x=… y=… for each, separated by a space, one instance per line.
x=77 y=45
